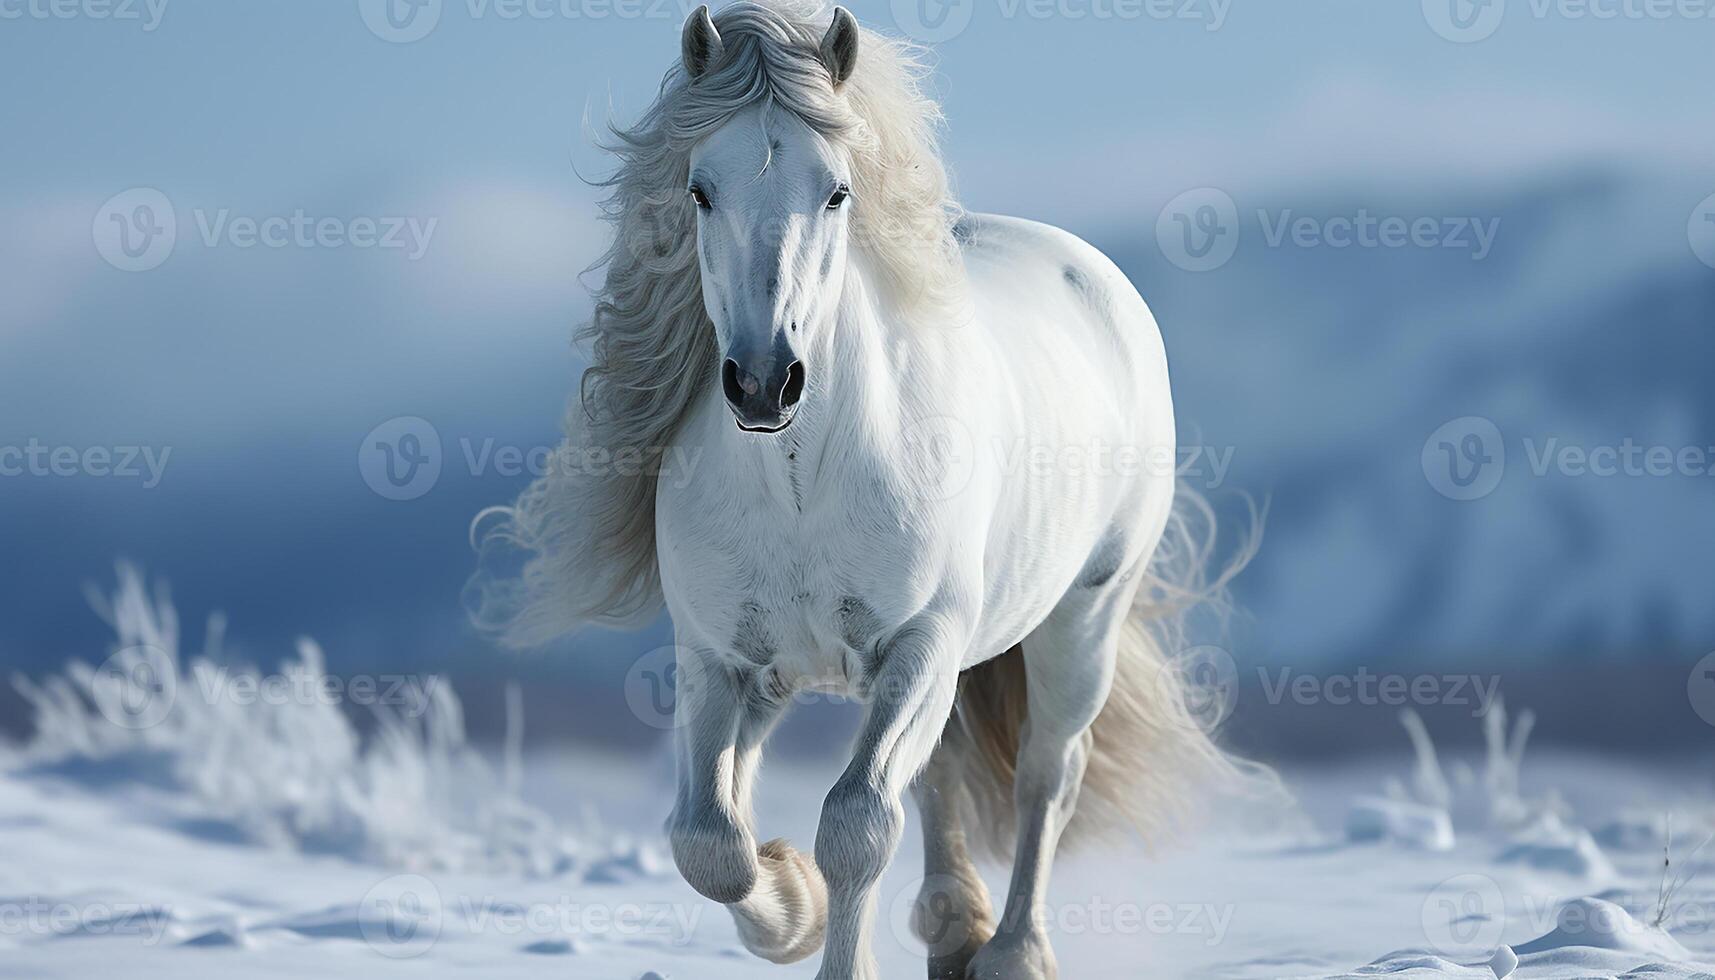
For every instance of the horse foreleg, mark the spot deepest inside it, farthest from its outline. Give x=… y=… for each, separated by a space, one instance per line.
x=910 y=696
x=775 y=894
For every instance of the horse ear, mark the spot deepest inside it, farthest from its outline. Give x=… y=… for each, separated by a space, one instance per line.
x=700 y=43
x=840 y=46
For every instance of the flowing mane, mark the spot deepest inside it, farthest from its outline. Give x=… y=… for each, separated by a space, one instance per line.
x=587 y=527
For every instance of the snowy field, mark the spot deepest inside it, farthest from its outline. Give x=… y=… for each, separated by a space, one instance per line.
x=218 y=834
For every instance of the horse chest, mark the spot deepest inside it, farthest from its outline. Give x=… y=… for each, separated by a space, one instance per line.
x=806 y=589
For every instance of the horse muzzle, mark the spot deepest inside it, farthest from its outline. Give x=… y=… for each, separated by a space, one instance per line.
x=763 y=394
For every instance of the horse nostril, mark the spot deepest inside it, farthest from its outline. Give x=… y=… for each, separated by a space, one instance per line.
x=733 y=382
x=794 y=389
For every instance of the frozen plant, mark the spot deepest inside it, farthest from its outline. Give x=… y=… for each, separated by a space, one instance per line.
x=291 y=772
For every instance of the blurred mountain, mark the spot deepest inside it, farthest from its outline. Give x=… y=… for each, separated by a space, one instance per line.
x=1588 y=324
x=1323 y=370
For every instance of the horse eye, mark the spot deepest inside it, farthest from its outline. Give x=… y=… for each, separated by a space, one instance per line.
x=839 y=197
x=701 y=198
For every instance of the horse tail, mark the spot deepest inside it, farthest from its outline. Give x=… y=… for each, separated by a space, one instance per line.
x=1152 y=756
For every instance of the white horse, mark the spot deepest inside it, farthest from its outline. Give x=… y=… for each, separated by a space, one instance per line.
x=934 y=462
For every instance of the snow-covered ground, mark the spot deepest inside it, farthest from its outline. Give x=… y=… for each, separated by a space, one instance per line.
x=194 y=846
x=95 y=882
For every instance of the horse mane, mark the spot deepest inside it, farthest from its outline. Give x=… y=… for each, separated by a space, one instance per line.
x=587 y=532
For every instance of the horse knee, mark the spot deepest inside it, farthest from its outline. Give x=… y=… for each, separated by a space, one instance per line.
x=861 y=826
x=714 y=854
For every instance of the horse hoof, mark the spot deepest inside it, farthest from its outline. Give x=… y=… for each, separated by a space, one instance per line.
x=955 y=965
x=1028 y=957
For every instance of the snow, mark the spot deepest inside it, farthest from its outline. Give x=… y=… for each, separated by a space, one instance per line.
x=281 y=841
x=1400 y=821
